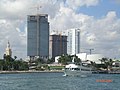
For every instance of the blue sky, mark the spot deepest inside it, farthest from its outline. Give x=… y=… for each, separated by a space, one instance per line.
x=101 y=9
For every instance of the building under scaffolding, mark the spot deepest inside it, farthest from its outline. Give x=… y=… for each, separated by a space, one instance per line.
x=58 y=45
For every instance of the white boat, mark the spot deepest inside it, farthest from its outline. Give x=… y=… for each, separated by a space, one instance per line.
x=77 y=70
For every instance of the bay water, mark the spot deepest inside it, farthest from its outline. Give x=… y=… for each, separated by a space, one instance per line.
x=56 y=81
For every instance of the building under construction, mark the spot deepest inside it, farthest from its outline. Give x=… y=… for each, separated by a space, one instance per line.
x=58 y=45
x=38 y=36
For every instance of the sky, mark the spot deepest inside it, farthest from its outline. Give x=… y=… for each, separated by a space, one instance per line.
x=99 y=21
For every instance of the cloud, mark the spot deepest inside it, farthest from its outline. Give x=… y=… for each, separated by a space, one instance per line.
x=66 y=18
x=102 y=34
x=13 y=9
x=74 y=4
x=16 y=38
x=19 y=9
x=106 y=32
x=91 y=39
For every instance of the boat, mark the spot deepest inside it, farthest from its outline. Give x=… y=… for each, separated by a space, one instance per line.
x=77 y=70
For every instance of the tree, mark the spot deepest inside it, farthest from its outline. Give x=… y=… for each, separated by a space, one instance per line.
x=15 y=57
x=103 y=60
x=107 y=63
x=64 y=59
x=94 y=65
x=8 y=63
x=1 y=64
x=49 y=61
x=77 y=60
x=9 y=58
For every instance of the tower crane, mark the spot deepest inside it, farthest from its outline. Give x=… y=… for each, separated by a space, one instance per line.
x=90 y=50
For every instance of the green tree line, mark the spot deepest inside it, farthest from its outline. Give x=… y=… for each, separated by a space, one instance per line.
x=65 y=59
x=8 y=64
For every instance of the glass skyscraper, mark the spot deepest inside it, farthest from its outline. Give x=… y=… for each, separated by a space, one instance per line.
x=38 y=35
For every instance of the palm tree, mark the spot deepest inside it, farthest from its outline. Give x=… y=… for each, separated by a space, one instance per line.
x=64 y=59
x=103 y=60
x=93 y=64
x=77 y=60
x=15 y=57
x=109 y=64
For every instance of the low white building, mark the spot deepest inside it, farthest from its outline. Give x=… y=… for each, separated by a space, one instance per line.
x=91 y=57
x=84 y=56
x=95 y=58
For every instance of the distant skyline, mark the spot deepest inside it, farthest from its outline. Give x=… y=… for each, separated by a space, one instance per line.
x=99 y=21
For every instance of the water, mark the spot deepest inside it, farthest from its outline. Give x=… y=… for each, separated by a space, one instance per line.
x=55 y=81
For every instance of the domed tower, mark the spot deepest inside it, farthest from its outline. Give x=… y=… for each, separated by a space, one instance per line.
x=8 y=50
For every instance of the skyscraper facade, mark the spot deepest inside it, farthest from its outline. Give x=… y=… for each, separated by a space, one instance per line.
x=58 y=45
x=38 y=35
x=73 y=44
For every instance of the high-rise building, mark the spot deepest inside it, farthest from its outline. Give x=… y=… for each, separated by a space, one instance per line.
x=38 y=35
x=8 y=51
x=58 y=45
x=73 y=44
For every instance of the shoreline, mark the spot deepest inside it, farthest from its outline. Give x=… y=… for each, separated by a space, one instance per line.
x=49 y=71
x=30 y=71
x=112 y=72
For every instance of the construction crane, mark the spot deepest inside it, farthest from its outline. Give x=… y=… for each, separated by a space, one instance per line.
x=37 y=8
x=90 y=50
